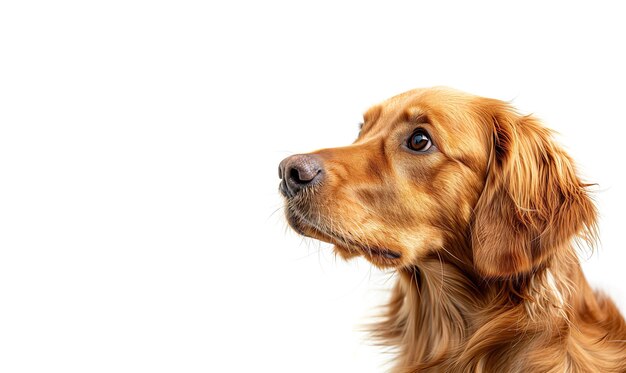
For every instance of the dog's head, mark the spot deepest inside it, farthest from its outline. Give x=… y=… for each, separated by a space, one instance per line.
x=433 y=168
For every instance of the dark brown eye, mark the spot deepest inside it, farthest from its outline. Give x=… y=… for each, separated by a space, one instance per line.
x=419 y=141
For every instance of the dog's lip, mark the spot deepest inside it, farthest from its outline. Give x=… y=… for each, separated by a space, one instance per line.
x=386 y=253
x=370 y=250
x=340 y=240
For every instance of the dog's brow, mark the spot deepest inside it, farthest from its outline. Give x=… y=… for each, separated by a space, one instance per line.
x=415 y=115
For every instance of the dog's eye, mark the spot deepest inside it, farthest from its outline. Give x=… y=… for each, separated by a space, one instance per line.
x=419 y=141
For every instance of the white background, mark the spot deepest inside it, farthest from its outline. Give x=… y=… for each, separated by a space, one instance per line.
x=140 y=225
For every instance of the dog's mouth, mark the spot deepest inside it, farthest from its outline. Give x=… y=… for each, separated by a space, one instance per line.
x=346 y=246
x=386 y=253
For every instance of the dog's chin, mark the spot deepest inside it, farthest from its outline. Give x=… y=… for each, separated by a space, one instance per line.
x=344 y=247
x=382 y=258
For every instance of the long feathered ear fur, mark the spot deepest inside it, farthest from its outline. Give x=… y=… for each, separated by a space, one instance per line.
x=533 y=203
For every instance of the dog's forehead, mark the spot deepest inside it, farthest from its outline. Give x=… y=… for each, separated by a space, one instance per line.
x=448 y=108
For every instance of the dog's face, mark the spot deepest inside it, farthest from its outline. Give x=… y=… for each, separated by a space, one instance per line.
x=417 y=166
x=411 y=184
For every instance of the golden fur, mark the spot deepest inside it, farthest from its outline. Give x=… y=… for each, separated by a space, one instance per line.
x=481 y=230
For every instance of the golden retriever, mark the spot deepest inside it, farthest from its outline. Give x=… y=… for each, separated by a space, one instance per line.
x=478 y=210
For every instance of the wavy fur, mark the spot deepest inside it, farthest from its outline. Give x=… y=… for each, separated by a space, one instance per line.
x=481 y=230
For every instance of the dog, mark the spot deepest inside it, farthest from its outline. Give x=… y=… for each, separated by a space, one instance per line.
x=479 y=212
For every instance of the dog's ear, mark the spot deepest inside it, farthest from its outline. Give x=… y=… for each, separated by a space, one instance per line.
x=533 y=203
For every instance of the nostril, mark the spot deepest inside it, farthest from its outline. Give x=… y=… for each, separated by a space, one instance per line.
x=295 y=176
x=303 y=175
x=300 y=171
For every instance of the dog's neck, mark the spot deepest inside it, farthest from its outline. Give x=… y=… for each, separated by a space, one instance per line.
x=443 y=310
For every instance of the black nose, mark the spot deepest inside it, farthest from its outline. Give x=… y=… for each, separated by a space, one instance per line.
x=299 y=171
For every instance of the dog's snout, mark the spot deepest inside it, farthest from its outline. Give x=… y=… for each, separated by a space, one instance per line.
x=299 y=171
